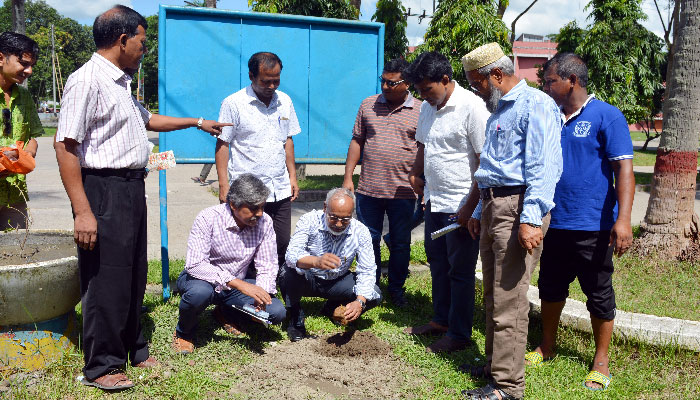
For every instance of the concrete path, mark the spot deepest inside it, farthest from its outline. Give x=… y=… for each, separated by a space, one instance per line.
x=50 y=209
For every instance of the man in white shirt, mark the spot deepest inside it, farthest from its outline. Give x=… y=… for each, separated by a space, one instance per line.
x=260 y=142
x=450 y=136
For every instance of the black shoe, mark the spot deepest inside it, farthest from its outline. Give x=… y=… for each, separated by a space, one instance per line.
x=398 y=299
x=328 y=308
x=295 y=333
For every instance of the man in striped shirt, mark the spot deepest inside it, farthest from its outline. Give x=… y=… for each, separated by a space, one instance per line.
x=319 y=257
x=384 y=135
x=102 y=151
x=224 y=241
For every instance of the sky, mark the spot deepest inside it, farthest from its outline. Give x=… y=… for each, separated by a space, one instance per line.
x=545 y=17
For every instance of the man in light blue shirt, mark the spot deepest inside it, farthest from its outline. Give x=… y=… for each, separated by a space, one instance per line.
x=520 y=165
x=319 y=257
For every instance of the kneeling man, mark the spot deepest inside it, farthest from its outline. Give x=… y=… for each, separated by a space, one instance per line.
x=225 y=239
x=319 y=257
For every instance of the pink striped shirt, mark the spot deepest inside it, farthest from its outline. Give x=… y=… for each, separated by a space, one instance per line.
x=99 y=112
x=218 y=251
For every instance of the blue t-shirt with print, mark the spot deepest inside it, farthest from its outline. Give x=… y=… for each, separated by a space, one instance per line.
x=585 y=197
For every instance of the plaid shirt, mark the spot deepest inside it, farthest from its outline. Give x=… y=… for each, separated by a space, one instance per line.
x=25 y=126
x=219 y=251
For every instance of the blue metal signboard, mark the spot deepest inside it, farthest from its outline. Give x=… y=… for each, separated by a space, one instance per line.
x=329 y=67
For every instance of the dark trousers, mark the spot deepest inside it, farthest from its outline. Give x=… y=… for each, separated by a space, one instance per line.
x=281 y=214
x=198 y=295
x=338 y=291
x=452 y=260
x=113 y=275
x=370 y=211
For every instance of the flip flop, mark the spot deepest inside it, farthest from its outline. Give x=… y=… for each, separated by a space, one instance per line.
x=597 y=377
x=534 y=358
x=109 y=382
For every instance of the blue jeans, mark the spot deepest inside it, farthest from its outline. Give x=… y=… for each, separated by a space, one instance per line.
x=339 y=291
x=198 y=295
x=452 y=260
x=370 y=211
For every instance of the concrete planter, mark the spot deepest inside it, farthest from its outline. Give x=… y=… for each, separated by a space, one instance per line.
x=37 y=302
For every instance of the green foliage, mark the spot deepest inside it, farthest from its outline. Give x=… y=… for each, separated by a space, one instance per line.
x=74 y=44
x=316 y=8
x=460 y=26
x=626 y=62
x=391 y=13
x=149 y=65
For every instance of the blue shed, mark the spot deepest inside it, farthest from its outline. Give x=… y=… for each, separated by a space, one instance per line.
x=330 y=66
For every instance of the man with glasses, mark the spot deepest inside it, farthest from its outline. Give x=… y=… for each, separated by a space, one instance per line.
x=20 y=122
x=319 y=257
x=450 y=137
x=384 y=136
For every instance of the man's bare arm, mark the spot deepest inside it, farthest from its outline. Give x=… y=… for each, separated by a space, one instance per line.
x=353 y=157
x=85 y=224
x=291 y=167
x=221 y=160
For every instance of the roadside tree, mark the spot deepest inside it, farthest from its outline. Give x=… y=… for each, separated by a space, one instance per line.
x=670 y=227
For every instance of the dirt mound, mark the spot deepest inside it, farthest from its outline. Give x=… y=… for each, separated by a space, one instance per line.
x=305 y=370
x=353 y=344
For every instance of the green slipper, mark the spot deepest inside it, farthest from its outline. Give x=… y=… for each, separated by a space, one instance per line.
x=534 y=358
x=597 y=377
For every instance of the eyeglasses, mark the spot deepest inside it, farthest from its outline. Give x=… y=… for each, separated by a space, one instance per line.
x=391 y=83
x=334 y=218
x=6 y=122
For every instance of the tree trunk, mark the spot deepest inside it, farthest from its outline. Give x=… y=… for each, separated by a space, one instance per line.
x=210 y=3
x=357 y=4
x=18 y=21
x=670 y=227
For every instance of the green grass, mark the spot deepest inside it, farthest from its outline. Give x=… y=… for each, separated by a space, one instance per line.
x=639 y=370
x=324 y=182
x=648 y=286
x=49 y=132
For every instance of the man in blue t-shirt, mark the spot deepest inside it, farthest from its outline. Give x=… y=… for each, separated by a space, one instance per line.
x=591 y=219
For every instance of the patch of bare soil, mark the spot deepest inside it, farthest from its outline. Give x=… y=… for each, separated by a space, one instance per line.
x=348 y=365
x=16 y=250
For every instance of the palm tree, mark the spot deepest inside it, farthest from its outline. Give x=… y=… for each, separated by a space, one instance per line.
x=671 y=227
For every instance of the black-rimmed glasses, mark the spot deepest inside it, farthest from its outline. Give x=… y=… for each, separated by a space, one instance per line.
x=391 y=83
x=6 y=122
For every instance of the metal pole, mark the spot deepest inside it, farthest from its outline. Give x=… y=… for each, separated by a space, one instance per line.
x=53 y=68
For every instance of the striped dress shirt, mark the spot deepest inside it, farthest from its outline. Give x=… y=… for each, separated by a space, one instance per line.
x=312 y=237
x=99 y=112
x=219 y=251
x=389 y=146
x=523 y=147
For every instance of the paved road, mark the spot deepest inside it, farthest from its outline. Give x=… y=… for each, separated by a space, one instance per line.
x=50 y=208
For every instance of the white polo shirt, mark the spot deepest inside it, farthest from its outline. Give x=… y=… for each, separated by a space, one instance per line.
x=257 y=138
x=452 y=137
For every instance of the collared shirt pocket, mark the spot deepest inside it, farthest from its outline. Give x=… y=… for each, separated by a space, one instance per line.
x=283 y=126
x=501 y=143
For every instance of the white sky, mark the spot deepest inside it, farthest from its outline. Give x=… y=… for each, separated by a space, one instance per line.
x=545 y=17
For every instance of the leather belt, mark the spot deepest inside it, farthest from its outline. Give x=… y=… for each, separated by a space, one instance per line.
x=125 y=173
x=501 y=191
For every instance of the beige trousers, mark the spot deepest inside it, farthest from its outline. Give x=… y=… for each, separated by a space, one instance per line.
x=507 y=268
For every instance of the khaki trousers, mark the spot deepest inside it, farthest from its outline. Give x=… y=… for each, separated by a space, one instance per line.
x=507 y=268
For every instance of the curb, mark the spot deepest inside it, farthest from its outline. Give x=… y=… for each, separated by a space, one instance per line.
x=646 y=328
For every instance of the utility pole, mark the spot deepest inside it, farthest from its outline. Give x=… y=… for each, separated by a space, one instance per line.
x=53 y=69
x=210 y=3
x=18 y=21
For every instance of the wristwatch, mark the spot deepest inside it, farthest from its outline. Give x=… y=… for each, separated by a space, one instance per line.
x=362 y=303
x=199 y=122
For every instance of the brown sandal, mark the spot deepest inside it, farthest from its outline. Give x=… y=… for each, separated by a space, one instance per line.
x=115 y=380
